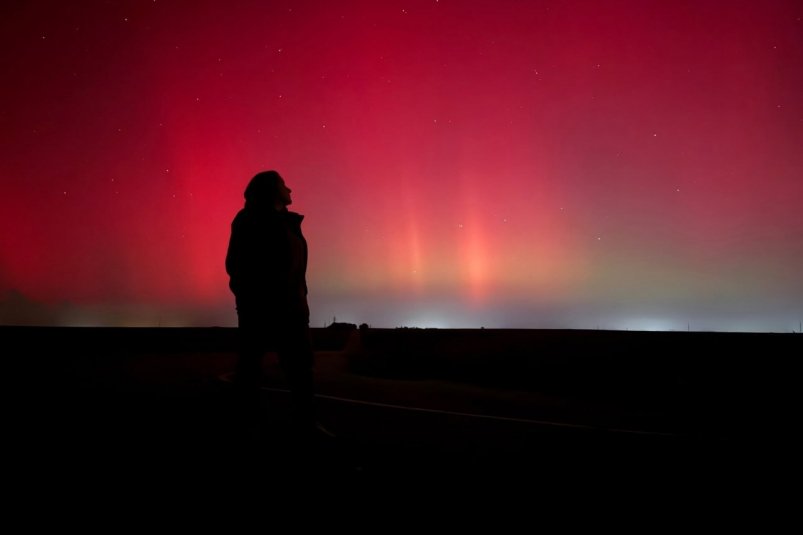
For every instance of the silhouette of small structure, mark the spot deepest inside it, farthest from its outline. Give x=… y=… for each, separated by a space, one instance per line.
x=342 y=326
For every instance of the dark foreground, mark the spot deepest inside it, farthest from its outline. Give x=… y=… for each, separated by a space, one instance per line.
x=117 y=409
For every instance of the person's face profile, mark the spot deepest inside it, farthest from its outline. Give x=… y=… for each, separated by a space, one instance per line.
x=283 y=193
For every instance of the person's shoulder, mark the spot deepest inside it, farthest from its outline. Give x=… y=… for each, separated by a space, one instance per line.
x=241 y=216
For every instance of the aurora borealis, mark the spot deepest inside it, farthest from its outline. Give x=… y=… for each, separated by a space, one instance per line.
x=540 y=164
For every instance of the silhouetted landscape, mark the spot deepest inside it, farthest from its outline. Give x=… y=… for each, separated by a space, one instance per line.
x=115 y=404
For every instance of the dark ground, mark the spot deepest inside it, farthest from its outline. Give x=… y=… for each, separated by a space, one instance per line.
x=665 y=412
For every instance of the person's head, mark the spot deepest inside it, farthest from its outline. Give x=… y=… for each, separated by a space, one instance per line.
x=267 y=190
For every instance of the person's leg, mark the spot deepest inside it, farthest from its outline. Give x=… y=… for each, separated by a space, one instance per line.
x=248 y=371
x=296 y=360
x=249 y=367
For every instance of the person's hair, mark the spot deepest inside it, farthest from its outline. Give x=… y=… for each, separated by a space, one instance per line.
x=262 y=189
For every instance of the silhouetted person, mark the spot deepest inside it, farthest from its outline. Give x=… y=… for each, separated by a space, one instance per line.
x=266 y=262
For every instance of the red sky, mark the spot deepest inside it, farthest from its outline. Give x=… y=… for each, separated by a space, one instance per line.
x=621 y=164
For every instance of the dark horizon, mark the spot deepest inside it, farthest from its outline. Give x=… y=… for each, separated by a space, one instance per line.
x=356 y=327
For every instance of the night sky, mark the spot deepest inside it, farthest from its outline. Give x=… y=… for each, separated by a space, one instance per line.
x=460 y=163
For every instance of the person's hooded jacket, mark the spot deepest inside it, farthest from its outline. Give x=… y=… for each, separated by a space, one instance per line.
x=267 y=262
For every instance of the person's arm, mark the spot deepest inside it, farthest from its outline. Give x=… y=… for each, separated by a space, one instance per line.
x=235 y=256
